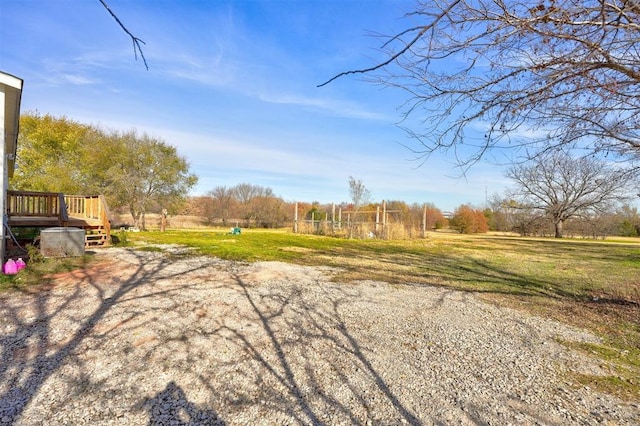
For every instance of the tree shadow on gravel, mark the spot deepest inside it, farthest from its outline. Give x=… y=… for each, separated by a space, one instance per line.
x=29 y=355
x=315 y=364
x=172 y=407
x=298 y=332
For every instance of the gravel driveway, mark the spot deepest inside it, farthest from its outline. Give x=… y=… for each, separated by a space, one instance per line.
x=149 y=338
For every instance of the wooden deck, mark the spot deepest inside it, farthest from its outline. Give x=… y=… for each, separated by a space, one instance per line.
x=50 y=209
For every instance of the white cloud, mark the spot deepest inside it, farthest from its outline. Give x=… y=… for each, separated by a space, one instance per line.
x=78 y=79
x=332 y=106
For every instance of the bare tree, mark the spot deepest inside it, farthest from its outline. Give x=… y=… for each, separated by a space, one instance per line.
x=223 y=199
x=245 y=192
x=561 y=187
x=359 y=193
x=563 y=70
x=258 y=205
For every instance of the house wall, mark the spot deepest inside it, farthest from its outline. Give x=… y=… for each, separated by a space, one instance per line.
x=10 y=96
x=4 y=176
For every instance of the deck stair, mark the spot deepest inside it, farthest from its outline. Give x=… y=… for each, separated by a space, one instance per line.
x=51 y=209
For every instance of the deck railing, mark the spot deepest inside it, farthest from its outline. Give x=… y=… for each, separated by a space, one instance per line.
x=89 y=207
x=37 y=204
x=31 y=204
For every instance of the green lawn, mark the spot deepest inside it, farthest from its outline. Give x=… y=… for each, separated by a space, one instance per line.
x=557 y=269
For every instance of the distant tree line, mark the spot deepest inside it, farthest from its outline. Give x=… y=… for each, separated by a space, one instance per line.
x=406 y=219
x=254 y=206
x=244 y=204
x=553 y=195
x=508 y=216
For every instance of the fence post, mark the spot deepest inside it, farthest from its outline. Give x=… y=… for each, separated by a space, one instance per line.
x=424 y=221
x=295 y=219
x=384 y=219
x=333 y=217
x=384 y=214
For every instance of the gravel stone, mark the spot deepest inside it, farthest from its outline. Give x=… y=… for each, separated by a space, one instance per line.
x=172 y=339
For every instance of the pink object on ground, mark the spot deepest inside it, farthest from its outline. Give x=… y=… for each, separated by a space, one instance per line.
x=20 y=264
x=10 y=268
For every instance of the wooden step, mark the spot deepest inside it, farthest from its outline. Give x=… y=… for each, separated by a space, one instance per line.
x=96 y=237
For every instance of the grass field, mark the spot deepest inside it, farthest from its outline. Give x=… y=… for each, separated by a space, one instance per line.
x=578 y=270
x=586 y=283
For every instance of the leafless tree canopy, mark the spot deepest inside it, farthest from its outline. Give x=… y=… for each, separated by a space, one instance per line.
x=561 y=187
x=566 y=72
x=360 y=194
x=245 y=192
x=251 y=205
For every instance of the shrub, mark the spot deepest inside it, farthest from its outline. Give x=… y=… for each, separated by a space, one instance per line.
x=469 y=221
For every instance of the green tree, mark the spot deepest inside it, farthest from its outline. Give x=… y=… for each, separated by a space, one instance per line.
x=51 y=152
x=315 y=213
x=133 y=171
x=490 y=216
x=629 y=225
x=145 y=173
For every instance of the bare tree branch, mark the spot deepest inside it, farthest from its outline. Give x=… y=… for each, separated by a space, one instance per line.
x=532 y=76
x=381 y=65
x=420 y=32
x=135 y=40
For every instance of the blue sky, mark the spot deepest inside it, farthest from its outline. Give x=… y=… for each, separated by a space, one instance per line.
x=232 y=84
